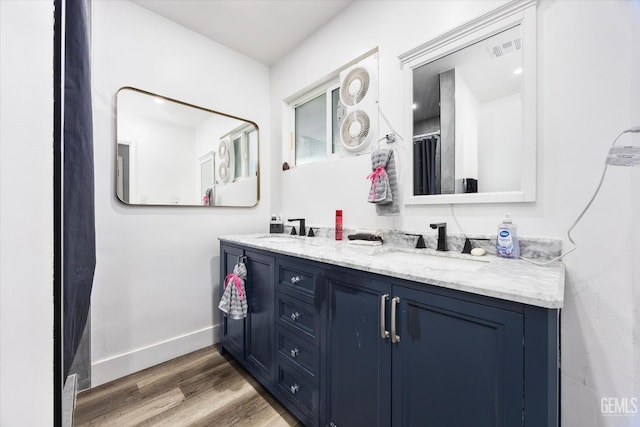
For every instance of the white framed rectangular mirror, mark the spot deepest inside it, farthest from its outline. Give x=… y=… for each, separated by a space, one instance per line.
x=471 y=110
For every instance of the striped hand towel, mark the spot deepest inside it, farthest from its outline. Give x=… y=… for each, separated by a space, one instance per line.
x=380 y=192
x=234 y=299
x=390 y=206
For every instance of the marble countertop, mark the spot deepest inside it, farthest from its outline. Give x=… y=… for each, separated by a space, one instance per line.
x=507 y=279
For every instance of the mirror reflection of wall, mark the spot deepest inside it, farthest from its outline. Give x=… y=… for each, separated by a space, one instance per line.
x=169 y=153
x=468 y=118
x=207 y=168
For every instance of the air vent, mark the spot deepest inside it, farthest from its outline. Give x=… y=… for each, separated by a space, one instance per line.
x=505 y=48
x=497 y=51
x=508 y=47
x=518 y=43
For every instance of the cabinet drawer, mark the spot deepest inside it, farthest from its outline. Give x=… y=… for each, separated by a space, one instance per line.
x=302 y=317
x=301 y=392
x=298 y=281
x=300 y=353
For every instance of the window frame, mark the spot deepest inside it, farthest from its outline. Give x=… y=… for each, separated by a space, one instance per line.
x=325 y=89
x=242 y=133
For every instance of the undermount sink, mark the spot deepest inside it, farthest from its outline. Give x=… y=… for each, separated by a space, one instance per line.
x=280 y=238
x=440 y=261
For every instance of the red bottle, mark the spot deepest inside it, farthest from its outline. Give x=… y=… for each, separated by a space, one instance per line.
x=338 y=224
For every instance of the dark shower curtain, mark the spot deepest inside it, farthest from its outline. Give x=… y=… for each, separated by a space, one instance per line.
x=425 y=174
x=78 y=234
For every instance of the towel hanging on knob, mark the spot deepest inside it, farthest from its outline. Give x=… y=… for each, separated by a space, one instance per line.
x=234 y=298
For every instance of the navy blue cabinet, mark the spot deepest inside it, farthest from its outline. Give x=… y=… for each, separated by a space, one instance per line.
x=252 y=339
x=358 y=358
x=231 y=330
x=260 y=322
x=403 y=357
x=340 y=347
x=279 y=340
x=456 y=363
x=299 y=305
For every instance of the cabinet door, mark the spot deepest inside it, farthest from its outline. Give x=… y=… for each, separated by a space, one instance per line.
x=260 y=342
x=231 y=330
x=457 y=363
x=358 y=359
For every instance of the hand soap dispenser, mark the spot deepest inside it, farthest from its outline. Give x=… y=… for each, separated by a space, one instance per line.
x=507 y=244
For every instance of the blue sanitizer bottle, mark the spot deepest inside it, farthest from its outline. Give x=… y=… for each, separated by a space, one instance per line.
x=507 y=245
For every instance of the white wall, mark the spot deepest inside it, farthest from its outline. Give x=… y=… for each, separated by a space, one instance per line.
x=466 y=131
x=162 y=170
x=584 y=103
x=499 y=124
x=316 y=190
x=155 y=289
x=26 y=213
x=588 y=91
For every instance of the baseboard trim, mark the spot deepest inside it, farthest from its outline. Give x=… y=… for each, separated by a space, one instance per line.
x=120 y=365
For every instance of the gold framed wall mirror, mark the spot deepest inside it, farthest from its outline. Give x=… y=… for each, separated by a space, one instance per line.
x=171 y=153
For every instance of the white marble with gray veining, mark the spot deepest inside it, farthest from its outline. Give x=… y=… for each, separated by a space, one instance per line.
x=507 y=279
x=536 y=248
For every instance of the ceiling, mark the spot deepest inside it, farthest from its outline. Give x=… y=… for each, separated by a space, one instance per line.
x=132 y=104
x=488 y=77
x=264 y=30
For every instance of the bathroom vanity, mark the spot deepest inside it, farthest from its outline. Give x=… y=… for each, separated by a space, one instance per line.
x=345 y=335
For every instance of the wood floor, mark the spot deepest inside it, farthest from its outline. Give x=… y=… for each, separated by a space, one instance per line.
x=200 y=389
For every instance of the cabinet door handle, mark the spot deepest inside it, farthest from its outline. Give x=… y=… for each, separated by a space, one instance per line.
x=294 y=353
x=295 y=279
x=394 y=303
x=383 y=308
x=294 y=388
x=295 y=316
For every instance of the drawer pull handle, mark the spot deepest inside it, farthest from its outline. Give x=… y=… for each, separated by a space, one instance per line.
x=295 y=388
x=294 y=353
x=295 y=279
x=394 y=337
x=295 y=316
x=384 y=334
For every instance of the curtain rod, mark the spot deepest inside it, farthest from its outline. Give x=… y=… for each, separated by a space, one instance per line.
x=424 y=135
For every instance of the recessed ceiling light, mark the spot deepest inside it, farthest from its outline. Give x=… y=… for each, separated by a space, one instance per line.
x=158 y=100
x=517 y=71
x=415 y=106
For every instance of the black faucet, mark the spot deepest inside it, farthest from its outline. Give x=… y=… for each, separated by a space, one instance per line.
x=442 y=235
x=467 y=244
x=303 y=231
x=420 y=243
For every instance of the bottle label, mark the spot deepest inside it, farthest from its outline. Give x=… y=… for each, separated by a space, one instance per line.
x=505 y=243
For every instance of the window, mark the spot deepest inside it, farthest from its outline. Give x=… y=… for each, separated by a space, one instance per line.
x=311 y=130
x=244 y=143
x=252 y=139
x=237 y=156
x=336 y=147
x=314 y=126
